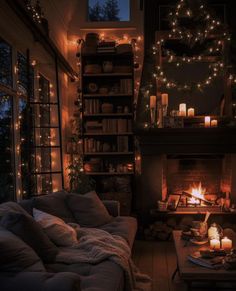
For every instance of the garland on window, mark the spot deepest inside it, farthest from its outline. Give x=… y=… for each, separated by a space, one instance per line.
x=204 y=27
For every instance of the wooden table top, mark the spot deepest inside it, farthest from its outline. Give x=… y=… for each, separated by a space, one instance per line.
x=192 y=272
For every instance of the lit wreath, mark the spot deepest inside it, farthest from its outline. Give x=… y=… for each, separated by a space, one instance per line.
x=191 y=38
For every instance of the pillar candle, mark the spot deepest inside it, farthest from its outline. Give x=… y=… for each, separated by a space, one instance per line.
x=207 y=121
x=214 y=123
x=153 y=101
x=164 y=99
x=182 y=109
x=226 y=243
x=191 y=112
x=214 y=244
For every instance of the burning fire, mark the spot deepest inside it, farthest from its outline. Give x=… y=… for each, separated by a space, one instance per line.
x=197 y=192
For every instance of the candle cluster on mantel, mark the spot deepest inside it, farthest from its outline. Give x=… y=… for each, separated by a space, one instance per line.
x=184 y=112
x=208 y=122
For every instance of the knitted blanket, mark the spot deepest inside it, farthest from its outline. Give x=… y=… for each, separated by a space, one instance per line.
x=97 y=245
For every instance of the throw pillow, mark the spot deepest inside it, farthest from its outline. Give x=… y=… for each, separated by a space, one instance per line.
x=57 y=230
x=16 y=255
x=11 y=207
x=25 y=227
x=88 y=209
x=54 y=204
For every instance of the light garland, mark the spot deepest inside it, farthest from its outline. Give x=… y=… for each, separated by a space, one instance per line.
x=213 y=30
x=35 y=10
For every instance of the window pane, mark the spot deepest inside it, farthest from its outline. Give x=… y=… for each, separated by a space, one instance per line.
x=24 y=152
x=5 y=63
x=108 y=10
x=22 y=82
x=6 y=149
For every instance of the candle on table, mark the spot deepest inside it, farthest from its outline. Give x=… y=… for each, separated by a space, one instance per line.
x=214 y=123
x=215 y=244
x=226 y=243
x=191 y=112
x=153 y=102
x=164 y=99
x=182 y=109
x=207 y=121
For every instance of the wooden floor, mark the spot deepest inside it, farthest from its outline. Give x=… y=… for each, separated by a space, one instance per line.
x=158 y=260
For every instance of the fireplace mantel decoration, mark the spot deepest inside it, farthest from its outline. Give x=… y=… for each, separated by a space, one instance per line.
x=194 y=37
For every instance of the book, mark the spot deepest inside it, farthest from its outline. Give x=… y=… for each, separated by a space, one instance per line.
x=210 y=263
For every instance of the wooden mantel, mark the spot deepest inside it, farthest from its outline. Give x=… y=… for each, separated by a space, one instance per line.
x=187 y=140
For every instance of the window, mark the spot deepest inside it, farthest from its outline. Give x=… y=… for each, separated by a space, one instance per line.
x=30 y=149
x=5 y=63
x=108 y=10
x=7 y=187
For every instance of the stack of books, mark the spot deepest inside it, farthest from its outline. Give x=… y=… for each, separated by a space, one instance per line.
x=106 y=47
x=212 y=262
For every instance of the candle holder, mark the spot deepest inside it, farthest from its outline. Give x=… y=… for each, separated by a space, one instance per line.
x=153 y=116
x=164 y=110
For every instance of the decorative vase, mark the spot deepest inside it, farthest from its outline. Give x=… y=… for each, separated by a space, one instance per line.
x=107 y=67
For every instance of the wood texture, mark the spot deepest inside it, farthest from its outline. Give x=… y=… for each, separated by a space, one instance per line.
x=158 y=260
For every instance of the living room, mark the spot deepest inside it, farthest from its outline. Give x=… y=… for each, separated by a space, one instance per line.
x=118 y=145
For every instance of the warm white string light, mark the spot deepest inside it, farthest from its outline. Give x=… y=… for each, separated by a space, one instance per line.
x=213 y=28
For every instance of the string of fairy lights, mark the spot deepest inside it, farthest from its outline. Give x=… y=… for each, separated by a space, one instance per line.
x=207 y=28
x=48 y=138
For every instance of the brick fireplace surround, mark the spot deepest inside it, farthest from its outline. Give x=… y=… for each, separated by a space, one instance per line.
x=173 y=159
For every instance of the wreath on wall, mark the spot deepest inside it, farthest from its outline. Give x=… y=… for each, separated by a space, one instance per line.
x=201 y=36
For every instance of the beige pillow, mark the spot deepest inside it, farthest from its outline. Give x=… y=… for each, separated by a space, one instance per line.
x=56 y=229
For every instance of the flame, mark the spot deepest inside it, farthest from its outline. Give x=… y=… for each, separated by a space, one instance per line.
x=198 y=193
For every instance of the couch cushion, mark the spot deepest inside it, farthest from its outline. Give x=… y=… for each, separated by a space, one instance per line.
x=40 y=281
x=88 y=209
x=11 y=207
x=25 y=227
x=54 y=204
x=124 y=226
x=57 y=230
x=16 y=255
x=106 y=275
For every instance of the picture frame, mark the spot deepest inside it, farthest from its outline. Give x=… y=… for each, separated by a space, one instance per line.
x=173 y=201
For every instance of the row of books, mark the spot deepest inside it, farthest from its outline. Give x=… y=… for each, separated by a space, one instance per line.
x=109 y=125
x=92 y=145
x=126 y=86
x=91 y=106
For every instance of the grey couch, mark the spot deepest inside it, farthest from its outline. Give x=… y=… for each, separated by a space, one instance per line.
x=105 y=276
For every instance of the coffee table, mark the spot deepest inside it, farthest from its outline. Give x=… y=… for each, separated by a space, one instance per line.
x=191 y=273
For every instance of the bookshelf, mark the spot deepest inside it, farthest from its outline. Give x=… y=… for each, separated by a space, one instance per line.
x=107 y=118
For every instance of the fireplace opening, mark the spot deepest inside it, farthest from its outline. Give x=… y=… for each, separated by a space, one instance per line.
x=200 y=182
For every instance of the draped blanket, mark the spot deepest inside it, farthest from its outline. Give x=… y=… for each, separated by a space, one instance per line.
x=97 y=245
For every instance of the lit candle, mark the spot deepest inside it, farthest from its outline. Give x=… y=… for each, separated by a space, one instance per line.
x=191 y=112
x=214 y=244
x=226 y=243
x=164 y=99
x=182 y=109
x=207 y=121
x=153 y=101
x=214 y=123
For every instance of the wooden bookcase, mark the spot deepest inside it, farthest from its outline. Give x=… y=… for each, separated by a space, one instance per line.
x=107 y=119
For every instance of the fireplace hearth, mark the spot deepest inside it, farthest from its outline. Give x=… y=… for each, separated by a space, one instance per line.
x=198 y=165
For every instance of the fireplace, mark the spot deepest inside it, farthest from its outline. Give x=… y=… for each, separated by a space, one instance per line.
x=198 y=165
x=199 y=180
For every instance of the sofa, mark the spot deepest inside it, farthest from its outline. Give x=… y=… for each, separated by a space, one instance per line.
x=50 y=276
